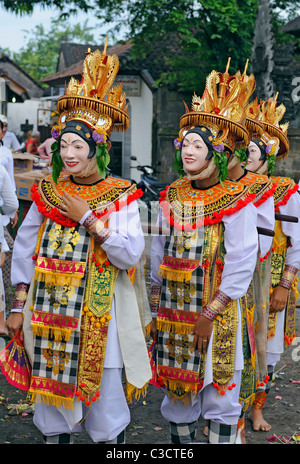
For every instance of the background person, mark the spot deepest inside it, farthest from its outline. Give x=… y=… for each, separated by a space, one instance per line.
x=9 y=138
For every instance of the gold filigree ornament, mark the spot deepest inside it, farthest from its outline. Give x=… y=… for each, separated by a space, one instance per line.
x=221 y=109
x=270 y=116
x=93 y=100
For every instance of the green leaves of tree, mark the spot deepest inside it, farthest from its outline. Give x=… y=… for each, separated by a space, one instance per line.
x=39 y=56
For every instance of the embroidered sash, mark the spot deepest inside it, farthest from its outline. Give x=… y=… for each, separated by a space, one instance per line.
x=56 y=312
x=181 y=368
x=286 y=188
x=95 y=321
x=72 y=297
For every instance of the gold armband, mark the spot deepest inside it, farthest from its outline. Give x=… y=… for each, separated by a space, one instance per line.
x=288 y=276
x=20 y=295
x=216 y=306
x=154 y=298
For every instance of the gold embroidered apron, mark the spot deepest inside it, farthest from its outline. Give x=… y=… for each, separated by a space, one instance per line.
x=191 y=271
x=72 y=297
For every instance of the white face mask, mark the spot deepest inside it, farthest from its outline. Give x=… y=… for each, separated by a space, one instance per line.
x=254 y=162
x=74 y=152
x=193 y=153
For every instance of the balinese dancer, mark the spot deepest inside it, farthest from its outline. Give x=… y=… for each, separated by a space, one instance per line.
x=202 y=268
x=255 y=302
x=73 y=268
x=285 y=258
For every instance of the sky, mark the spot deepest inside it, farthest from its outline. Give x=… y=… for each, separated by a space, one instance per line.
x=12 y=35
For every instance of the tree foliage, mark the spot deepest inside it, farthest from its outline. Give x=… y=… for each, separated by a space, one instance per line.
x=39 y=56
x=191 y=37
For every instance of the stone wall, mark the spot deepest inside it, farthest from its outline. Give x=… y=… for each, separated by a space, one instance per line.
x=167 y=110
x=286 y=78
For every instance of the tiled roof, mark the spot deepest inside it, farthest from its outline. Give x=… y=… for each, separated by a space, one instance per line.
x=74 y=55
x=292 y=27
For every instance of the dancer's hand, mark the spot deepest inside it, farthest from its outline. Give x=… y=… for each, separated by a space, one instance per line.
x=153 y=329
x=73 y=207
x=202 y=331
x=14 y=324
x=278 y=299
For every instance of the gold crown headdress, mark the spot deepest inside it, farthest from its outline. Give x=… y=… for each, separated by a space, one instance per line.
x=221 y=108
x=270 y=115
x=94 y=100
x=253 y=116
x=256 y=128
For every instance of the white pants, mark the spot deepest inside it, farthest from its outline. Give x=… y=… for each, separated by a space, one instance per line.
x=224 y=409
x=275 y=346
x=107 y=417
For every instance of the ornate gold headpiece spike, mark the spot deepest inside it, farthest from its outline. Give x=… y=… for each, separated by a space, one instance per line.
x=270 y=117
x=105 y=46
x=271 y=112
x=246 y=67
x=93 y=100
x=197 y=103
x=253 y=110
x=247 y=86
x=220 y=107
x=224 y=78
x=210 y=94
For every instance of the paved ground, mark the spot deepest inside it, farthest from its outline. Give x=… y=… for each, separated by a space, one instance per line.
x=147 y=426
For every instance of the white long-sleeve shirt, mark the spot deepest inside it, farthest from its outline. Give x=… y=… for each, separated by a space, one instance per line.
x=266 y=220
x=124 y=248
x=241 y=243
x=8 y=199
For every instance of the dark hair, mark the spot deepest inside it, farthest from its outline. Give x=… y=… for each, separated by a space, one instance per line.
x=1 y=124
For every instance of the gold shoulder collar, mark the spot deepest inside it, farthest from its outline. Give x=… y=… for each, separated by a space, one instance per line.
x=108 y=195
x=262 y=186
x=187 y=207
x=283 y=181
x=186 y=192
x=253 y=178
x=285 y=187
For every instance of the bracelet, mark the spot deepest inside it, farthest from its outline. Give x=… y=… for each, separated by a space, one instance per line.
x=209 y=313
x=285 y=283
x=102 y=236
x=89 y=220
x=154 y=298
x=20 y=295
x=288 y=276
x=216 y=306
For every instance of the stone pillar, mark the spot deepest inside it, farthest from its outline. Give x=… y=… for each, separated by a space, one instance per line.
x=262 y=52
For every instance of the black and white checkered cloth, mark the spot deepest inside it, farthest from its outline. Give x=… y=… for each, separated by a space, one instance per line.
x=186 y=296
x=221 y=433
x=67 y=245
x=183 y=433
x=58 y=360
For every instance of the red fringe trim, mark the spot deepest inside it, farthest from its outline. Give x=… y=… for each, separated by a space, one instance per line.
x=266 y=195
x=287 y=197
x=217 y=217
x=59 y=218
